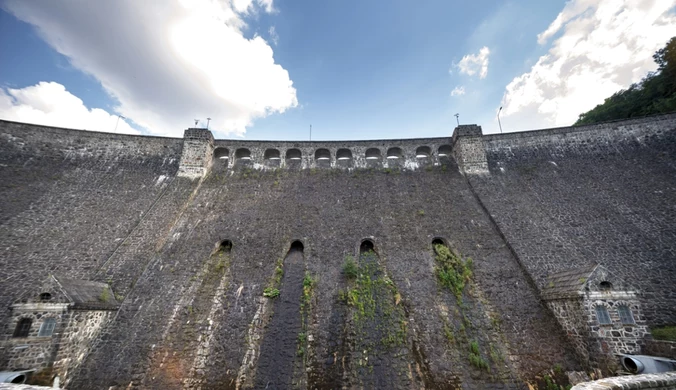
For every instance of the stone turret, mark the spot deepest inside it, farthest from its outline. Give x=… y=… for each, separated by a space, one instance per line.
x=198 y=149
x=468 y=149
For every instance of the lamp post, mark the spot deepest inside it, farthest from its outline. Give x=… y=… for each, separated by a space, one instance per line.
x=499 y=124
x=118 y=121
x=208 y=120
x=457 y=118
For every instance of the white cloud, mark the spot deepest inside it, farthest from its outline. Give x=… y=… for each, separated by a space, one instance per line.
x=274 y=37
x=171 y=61
x=475 y=63
x=458 y=91
x=603 y=46
x=50 y=104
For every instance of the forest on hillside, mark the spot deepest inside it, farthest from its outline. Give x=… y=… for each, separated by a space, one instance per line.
x=655 y=94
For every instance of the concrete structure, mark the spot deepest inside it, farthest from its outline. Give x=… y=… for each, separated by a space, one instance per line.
x=149 y=217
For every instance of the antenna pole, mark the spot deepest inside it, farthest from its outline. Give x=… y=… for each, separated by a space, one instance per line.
x=117 y=122
x=457 y=118
x=208 y=120
x=310 y=132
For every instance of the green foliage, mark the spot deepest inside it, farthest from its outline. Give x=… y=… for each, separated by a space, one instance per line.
x=655 y=94
x=308 y=286
x=448 y=333
x=271 y=292
x=421 y=213
x=350 y=268
x=105 y=295
x=551 y=385
x=475 y=358
x=302 y=340
x=452 y=272
x=667 y=333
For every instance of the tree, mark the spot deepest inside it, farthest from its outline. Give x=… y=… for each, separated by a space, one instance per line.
x=655 y=94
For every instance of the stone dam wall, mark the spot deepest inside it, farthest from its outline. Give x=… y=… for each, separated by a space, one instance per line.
x=119 y=209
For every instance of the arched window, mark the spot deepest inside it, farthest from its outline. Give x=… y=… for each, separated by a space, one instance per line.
x=602 y=315
x=423 y=152
x=272 y=154
x=394 y=153
x=605 y=286
x=445 y=151
x=344 y=155
x=47 y=327
x=323 y=155
x=625 y=314
x=23 y=327
x=243 y=154
x=221 y=154
x=45 y=296
x=373 y=154
x=293 y=155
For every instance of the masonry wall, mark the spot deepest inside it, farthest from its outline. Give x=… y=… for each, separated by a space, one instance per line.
x=111 y=208
x=591 y=194
x=153 y=340
x=70 y=199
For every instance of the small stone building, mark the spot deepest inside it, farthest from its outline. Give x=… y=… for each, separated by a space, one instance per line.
x=51 y=329
x=599 y=312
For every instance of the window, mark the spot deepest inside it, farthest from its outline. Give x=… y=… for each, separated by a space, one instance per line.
x=602 y=315
x=23 y=328
x=445 y=151
x=272 y=154
x=323 y=155
x=221 y=153
x=625 y=314
x=45 y=296
x=47 y=327
x=293 y=155
x=394 y=153
x=423 y=152
x=605 y=286
x=344 y=155
x=242 y=154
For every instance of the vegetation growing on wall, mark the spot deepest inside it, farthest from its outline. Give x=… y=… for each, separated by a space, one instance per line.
x=655 y=94
x=452 y=272
x=667 y=333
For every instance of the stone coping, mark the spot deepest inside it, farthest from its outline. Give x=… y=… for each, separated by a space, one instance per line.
x=662 y=381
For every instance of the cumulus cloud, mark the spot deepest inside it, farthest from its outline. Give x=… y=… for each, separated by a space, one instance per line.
x=458 y=91
x=50 y=104
x=169 y=62
x=472 y=64
x=598 y=47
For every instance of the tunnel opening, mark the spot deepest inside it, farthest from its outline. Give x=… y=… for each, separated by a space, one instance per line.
x=366 y=246
x=296 y=246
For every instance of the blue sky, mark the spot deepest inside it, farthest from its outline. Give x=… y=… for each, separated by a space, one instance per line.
x=268 y=69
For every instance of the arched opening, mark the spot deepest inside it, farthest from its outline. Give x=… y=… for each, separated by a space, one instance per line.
x=221 y=154
x=445 y=151
x=344 y=155
x=23 y=327
x=395 y=153
x=438 y=241
x=225 y=246
x=423 y=152
x=373 y=154
x=45 y=296
x=296 y=246
x=322 y=155
x=602 y=315
x=605 y=286
x=243 y=154
x=272 y=154
x=293 y=155
x=366 y=246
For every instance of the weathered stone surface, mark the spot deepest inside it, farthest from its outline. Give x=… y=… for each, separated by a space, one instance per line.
x=114 y=209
